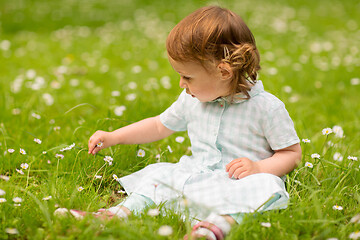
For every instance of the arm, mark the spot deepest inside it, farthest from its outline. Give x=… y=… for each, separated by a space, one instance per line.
x=282 y=162
x=144 y=131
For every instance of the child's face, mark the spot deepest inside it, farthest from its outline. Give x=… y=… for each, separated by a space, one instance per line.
x=205 y=85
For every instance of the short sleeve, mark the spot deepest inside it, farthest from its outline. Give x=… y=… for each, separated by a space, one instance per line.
x=279 y=129
x=174 y=117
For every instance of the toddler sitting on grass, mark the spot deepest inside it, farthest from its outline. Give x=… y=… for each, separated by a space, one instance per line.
x=242 y=138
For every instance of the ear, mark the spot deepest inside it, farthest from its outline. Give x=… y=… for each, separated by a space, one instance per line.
x=225 y=71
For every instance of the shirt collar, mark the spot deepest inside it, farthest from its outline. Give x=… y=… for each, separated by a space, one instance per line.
x=241 y=97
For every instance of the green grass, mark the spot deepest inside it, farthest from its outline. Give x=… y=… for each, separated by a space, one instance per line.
x=310 y=46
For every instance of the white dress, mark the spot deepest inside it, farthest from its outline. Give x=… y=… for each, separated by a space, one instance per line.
x=220 y=132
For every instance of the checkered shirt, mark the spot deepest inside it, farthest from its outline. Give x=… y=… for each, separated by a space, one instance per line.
x=219 y=133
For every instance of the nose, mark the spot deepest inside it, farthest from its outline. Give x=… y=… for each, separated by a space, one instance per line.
x=182 y=83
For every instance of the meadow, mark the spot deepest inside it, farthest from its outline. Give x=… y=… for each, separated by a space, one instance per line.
x=69 y=68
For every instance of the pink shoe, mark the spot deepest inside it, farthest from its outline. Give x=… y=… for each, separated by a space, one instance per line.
x=195 y=234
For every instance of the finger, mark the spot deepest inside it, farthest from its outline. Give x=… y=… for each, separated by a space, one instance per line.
x=234 y=168
x=91 y=144
x=91 y=148
x=92 y=138
x=95 y=151
x=229 y=165
x=244 y=174
x=238 y=172
x=94 y=144
x=235 y=161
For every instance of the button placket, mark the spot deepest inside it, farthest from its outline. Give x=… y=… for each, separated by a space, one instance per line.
x=222 y=104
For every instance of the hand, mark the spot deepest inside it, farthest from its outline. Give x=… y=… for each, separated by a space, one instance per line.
x=242 y=167
x=99 y=140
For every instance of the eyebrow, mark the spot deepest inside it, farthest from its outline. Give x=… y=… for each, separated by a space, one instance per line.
x=182 y=74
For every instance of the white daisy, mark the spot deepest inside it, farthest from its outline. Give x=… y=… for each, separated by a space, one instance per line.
x=309 y=165
x=16 y=111
x=354 y=235
x=31 y=74
x=132 y=85
x=48 y=98
x=80 y=189
x=119 y=110
x=115 y=93
x=166 y=82
x=327 y=131
x=61 y=212
x=10 y=150
x=141 y=153
x=24 y=166
x=17 y=200
x=59 y=156
x=315 y=155
x=305 y=140
x=339 y=132
x=12 y=231
x=22 y=151
x=2 y=200
x=68 y=148
x=108 y=159
x=2 y=192
x=34 y=115
x=338 y=157
x=74 y=82
x=136 y=69
x=352 y=158
x=355 y=81
x=179 y=139
x=116 y=178
x=165 y=230
x=265 y=224
x=98 y=176
x=5 y=45
x=19 y=171
x=153 y=212
x=337 y=207
x=3 y=177
x=287 y=89
x=355 y=219
x=131 y=97
x=47 y=198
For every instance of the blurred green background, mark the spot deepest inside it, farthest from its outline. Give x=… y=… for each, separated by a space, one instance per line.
x=69 y=68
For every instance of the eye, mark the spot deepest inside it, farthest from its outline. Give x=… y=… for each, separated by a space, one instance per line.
x=186 y=78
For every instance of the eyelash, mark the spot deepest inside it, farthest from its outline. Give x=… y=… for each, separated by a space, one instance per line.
x=186 y=78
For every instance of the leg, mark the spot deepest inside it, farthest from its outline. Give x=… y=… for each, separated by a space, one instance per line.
x=134 y=203
x=119 y=212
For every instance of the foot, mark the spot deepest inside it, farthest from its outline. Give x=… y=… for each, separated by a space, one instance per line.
x=215 y=227
x=206 y=230
x=102 y=214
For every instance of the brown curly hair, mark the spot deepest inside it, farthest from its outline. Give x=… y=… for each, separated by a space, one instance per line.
x=217 y=35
